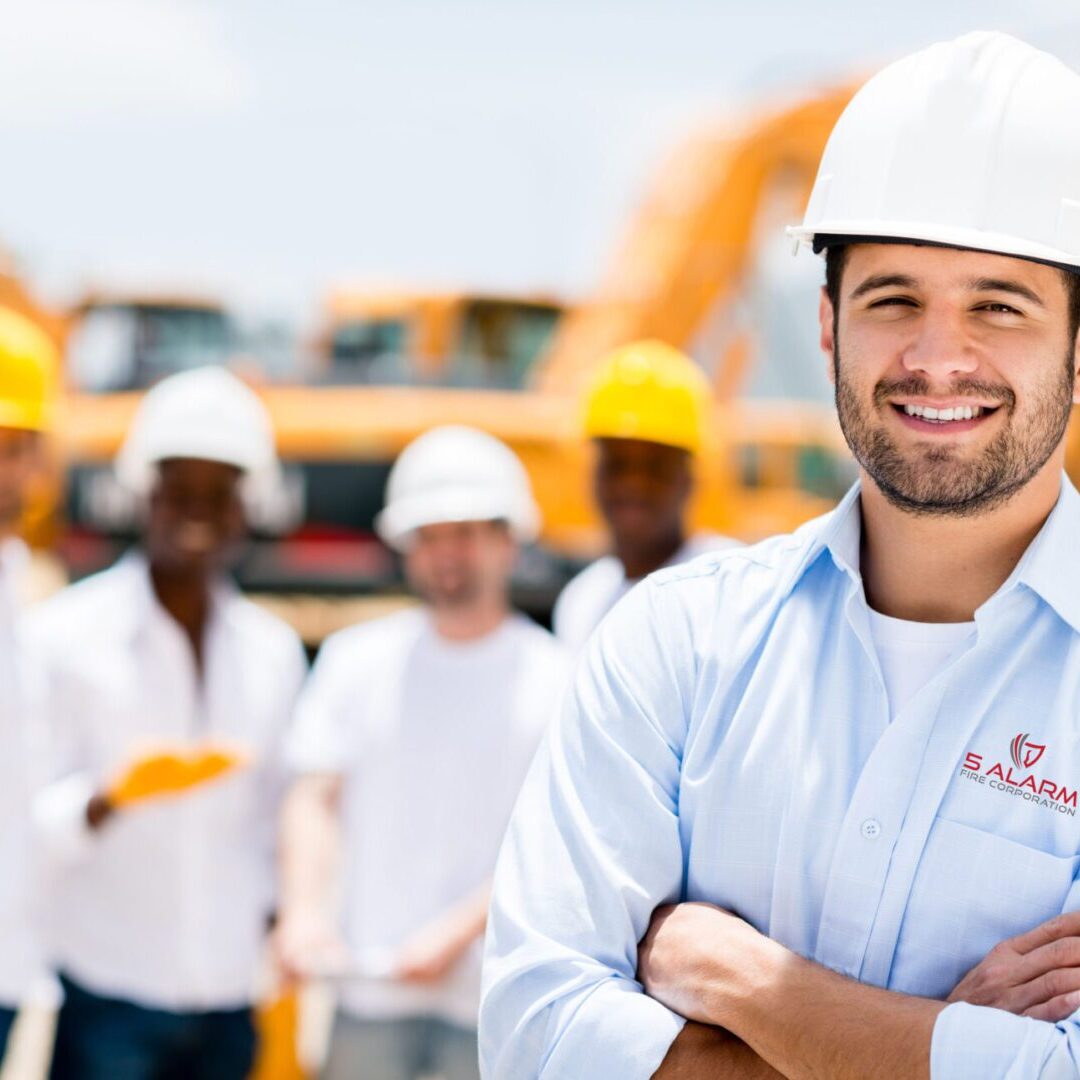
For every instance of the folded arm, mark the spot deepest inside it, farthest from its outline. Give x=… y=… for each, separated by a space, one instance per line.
x=806 y=1021
x=592 y=848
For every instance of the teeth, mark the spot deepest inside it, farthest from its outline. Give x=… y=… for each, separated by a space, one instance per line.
x=943 y=416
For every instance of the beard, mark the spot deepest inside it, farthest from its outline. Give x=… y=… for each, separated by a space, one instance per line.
x=939 y=479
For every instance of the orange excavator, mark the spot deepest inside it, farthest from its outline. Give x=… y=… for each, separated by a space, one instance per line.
x=392 y=363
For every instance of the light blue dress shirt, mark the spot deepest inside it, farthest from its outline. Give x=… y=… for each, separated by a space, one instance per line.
x=728 y=739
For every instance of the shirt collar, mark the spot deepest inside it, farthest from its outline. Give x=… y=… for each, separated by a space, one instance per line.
x=1049 y=566
x=842 y=534
x=140 y=606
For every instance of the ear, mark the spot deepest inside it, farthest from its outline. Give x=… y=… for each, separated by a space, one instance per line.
x=827 y=340
x=1076 y=369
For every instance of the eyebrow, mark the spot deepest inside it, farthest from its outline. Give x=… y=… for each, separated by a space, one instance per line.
x=985 y=284
x=883 y=281
x=1007 y=286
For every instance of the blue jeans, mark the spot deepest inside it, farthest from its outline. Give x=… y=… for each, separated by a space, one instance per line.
x=99 y=1038
x=7 y=1018
x=400 y=1050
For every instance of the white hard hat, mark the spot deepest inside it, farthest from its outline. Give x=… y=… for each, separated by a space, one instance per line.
x=972 y=143
x=456 y=473
x=207 y=414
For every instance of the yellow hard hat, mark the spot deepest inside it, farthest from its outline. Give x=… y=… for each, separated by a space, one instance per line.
x=28 y=373
x=649 y=391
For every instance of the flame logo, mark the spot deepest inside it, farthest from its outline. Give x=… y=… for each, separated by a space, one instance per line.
x=1024 y=753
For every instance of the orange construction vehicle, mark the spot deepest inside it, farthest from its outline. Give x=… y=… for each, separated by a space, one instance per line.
x=392 y=363
x=443 y=339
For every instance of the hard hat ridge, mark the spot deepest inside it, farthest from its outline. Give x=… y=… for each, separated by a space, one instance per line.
x=456 y=473
x=209 y=414
x=29 y=373
x=972 y=143
x=650 y=391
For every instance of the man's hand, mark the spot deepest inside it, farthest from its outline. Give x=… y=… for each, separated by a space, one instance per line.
x=428 y=955
x=676 y=958
x=303 y=944
x=1036 y=974
x=795 y=1016
x=99 y=810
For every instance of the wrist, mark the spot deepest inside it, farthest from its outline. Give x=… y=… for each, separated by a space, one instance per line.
x=98 y=810
x=744 y=980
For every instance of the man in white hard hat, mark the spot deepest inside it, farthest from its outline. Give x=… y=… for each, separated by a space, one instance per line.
x=646 y=413
x=167 y=697
x=412 y=740
x=849 y=756
x=28 y=375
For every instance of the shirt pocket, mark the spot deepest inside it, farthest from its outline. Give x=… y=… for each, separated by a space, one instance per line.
x=972 y=890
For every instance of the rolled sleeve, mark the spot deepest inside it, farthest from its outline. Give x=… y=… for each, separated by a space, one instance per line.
x=592 y=850
x=972 y=1042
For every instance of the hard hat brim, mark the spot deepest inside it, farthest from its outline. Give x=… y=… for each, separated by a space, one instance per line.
x=398 y=521
x=832 y=234
x=31 y=417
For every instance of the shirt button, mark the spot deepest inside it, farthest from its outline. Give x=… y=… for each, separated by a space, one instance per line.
x=871 y=828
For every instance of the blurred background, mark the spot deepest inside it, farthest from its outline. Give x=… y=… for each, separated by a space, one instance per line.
x=392 y=215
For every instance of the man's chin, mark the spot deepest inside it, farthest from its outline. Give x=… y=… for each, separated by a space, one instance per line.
x=451 y=599
x=950 y=498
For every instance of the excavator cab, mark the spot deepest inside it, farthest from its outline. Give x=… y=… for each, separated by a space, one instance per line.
x=433 y=339
x=121 y=343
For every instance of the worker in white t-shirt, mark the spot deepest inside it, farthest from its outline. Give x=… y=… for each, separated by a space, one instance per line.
x=166 y=696
x=28 y=371
x=646 y=413
x=411 y=741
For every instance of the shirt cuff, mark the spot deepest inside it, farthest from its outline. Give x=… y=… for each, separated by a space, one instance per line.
x=973 y=1042
x=60 y=817
x=616 y=1031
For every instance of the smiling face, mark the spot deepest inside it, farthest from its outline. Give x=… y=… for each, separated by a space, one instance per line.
x=195 y=519
x=459 y=565
x=955 y=372
x=642 y=489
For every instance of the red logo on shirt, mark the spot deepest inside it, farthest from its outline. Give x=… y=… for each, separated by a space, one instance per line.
x=1024 y=753
x=1023 y=784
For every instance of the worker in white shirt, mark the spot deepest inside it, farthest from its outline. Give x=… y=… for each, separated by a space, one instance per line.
x=813 y=809
x=168 y=697
x=28 y=371
x=412 y=739
x=646 y=411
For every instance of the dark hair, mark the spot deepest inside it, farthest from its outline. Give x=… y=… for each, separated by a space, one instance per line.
x=836 y=257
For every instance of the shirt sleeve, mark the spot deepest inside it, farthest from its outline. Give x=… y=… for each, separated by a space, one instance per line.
x=592 y=850
x=322 y=738
x=61 y=782
x=973 y=1042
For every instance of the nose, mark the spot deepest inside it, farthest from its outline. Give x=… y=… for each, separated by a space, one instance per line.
x=941 y=348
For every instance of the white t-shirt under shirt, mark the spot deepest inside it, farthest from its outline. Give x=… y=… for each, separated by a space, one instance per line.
x=433 y=739
x=589 y=596
x=912 y=653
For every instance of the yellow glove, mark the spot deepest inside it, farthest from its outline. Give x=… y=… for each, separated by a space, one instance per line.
x=171 y=772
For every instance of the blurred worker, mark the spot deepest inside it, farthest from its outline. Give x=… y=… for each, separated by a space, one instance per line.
x=413 y=737
x=168 y=696
x=646 y=413
x=28 y=369
x=849 y=756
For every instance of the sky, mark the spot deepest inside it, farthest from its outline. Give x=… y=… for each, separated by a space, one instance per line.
x=268 y=151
